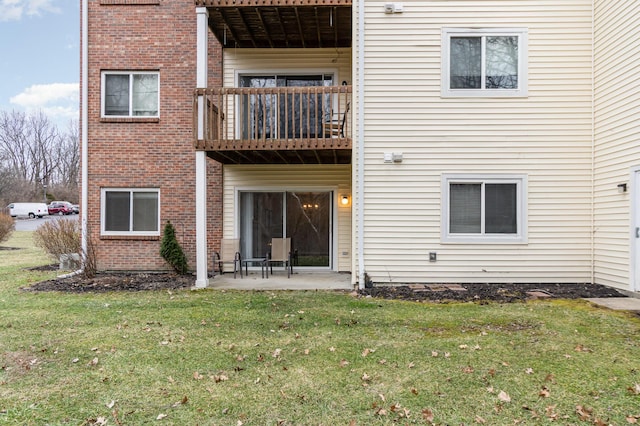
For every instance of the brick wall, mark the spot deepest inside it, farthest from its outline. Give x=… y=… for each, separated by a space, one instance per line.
x=149 y=35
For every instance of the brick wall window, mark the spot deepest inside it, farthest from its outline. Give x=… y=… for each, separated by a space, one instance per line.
x=130 y=211
x=130 y=94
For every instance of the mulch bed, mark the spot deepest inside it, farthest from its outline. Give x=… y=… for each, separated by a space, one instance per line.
x=484 y=292
x=116 y=282
x=441 y=293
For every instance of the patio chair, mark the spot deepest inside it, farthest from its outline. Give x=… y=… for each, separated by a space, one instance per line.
x=229 y=253
x=280 y=253
x=335 y=128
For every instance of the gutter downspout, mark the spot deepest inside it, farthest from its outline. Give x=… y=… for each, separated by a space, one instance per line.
x=593 y=142
x=84 y=124
x=360 y=206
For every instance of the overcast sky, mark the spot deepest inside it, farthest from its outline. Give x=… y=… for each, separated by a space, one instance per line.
x=40 y=57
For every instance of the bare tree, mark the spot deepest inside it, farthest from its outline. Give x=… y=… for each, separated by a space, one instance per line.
x=33 y=153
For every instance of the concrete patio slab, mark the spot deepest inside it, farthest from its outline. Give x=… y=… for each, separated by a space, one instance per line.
x=279 y=281
x=617 y=303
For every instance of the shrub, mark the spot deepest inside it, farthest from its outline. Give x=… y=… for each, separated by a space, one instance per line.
x=171 y=250
x=7 y=226
x=58 y=237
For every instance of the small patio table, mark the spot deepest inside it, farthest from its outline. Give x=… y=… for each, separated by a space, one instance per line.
x=263 y=265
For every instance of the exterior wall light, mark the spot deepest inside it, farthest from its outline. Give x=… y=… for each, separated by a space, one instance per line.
x=344 y=200
x=622 y=187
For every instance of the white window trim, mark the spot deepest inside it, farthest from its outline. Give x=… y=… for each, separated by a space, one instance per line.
x=103 y=96
x=520 y=237
x=523 y=63
x=103 y=201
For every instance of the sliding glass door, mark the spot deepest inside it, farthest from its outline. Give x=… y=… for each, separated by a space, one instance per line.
x=296 y=115
x=305 y=217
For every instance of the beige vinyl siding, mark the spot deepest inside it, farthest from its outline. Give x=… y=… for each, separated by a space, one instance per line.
x=292 y=177
x=545 y=136
x=617 y=135
x=287 y=61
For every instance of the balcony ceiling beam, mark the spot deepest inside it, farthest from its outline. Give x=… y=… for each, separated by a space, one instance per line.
x=290 y=26
x=262 y=23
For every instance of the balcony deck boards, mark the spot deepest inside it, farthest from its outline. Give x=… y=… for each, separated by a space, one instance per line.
x=258 y=113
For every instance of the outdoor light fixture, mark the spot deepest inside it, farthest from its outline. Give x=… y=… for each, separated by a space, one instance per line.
x=344 y=200
x=622 y=187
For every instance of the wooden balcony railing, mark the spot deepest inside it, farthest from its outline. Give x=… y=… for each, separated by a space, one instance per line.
x=274 y=118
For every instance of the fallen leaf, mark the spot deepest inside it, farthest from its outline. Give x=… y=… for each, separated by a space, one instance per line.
x=332 y=349
x=427 y=415
x=434 y=353
x=161 y=416
x=480 y=420
x=504 y=397
x=414 y=391
x=344 y=363
x=382 y=397
x=366 y=377
x=529 y=371
x=111 y=404
x=93 y=361
x=544 y=392
x=366 y=352
x=583 y=412
x=635 y=389
x=550 y=378
x=198 y=376
x=633 y=419
x=468 y=369
x=276 y=353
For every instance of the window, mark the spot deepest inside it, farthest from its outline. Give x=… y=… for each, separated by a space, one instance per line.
x=130 y=211
x=130 y=94
x=484 y=62
x=484 y=209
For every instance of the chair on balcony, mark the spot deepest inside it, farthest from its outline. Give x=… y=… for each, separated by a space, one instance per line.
x=336 y=127
x=280 y=253
x=229 y=253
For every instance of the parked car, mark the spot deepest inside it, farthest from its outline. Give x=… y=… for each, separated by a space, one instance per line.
x=60 y=208
x=76 y=208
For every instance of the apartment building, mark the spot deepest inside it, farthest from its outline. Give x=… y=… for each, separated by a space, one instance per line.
x=421 y=141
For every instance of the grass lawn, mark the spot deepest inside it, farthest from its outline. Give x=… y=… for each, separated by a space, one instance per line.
x=304 y=358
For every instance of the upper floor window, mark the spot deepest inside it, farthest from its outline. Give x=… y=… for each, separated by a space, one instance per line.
x=484 y=208
x=489 y=62
x=130 y=94
x=130 y=211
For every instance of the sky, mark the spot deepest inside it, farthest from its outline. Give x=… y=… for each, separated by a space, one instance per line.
x=40 y=58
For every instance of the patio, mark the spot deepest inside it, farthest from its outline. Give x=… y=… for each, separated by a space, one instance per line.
x=279 y=281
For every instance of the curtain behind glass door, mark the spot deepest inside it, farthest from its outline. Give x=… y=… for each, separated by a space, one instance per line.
x=261 y=219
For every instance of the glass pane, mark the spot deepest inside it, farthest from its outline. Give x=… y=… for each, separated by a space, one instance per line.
x=308 y=222
x=465 y=208
x=465 y=63
x=116 y=215
x=258 y=117
x=116 y=96
x=145 y=211
x=261 y=218
x=145 y=94
x=502 y=62
x=501 y=209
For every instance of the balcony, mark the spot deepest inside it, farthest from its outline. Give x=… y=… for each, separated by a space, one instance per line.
x=280 y=23
x=275 y=125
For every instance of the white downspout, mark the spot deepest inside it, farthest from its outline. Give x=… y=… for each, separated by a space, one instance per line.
x=202 y=279
x=360 y=165
x=84 y=125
